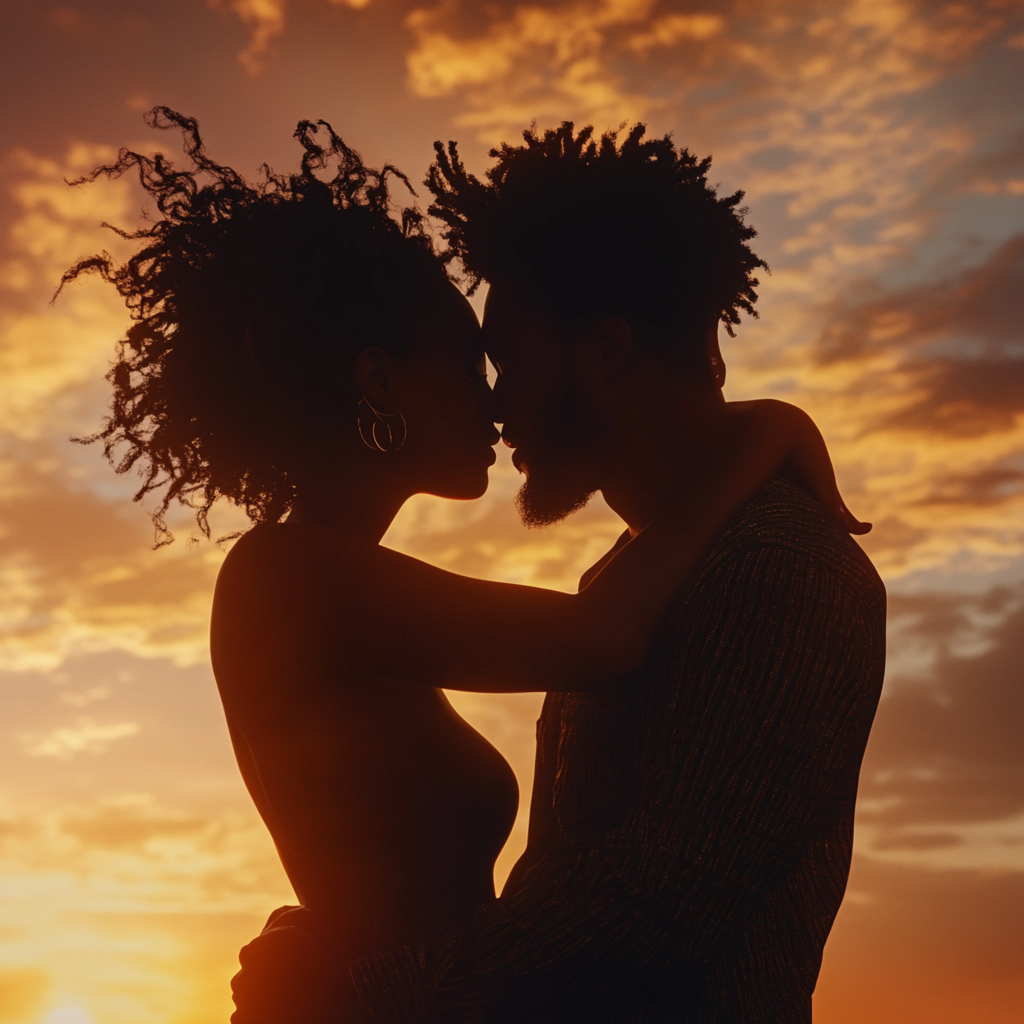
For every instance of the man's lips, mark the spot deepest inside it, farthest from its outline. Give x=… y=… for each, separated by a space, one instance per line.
x=518 y=459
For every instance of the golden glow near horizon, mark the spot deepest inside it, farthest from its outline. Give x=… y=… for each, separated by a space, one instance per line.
x=878 y=144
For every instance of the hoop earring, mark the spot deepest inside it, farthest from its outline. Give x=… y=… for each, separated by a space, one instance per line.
x=378 y=430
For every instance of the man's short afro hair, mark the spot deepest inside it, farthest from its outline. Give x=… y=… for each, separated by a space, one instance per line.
x=599 y=227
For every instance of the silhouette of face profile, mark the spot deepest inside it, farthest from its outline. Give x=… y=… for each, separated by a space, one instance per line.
x=441 y=390
x=543 y=412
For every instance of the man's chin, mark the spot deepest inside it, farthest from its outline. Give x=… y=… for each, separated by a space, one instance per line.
x=543 y=506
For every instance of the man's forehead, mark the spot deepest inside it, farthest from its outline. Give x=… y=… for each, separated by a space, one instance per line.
x=504 y=302
x=515 y=321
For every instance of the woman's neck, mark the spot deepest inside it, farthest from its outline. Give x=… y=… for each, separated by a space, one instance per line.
x=363 y=508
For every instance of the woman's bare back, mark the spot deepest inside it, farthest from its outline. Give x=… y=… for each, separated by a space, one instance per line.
x=387 y=808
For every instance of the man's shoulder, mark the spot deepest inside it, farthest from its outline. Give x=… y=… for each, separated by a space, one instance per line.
x=783 y=513
x=785 y=562
x=785 y=517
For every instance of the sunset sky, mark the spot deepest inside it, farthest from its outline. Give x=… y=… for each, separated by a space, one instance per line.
x=881 y=147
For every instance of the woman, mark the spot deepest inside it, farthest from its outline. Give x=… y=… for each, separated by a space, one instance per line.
x=300 y=352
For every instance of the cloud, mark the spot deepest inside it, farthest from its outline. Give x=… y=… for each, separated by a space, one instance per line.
x=131 y=823
x=152 y=856
x=983 y=488
x=22 y=991
x=671 y=29
x=265 y=20
x=991 y=173
x=959 y=342
x=548 y=62
x=132 y=904
x=80 y=574
x=942 y=781
x=929 y=381
x=48 y=353
x=86 y=737
x=612 y=60
x=77 y=572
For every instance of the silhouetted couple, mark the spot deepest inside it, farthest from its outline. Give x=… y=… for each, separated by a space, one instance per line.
x=299 y=348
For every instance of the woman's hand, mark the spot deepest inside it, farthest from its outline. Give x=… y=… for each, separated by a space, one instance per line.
x=289 y=976
x=805 y=460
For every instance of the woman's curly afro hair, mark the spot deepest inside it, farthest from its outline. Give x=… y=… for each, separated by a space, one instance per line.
x=599 y=227
x=249 y=304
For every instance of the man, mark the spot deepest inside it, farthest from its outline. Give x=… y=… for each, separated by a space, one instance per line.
x=690 y=837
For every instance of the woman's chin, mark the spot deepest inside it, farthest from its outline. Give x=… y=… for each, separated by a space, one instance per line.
x=467 y=489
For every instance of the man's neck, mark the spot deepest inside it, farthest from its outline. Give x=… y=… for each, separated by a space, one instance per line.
x=652 y=460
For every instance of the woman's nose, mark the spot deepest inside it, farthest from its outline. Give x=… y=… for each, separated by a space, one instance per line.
x=497 y=404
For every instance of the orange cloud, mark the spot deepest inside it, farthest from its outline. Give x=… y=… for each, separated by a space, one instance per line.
x=80 y=575
x=942 y=782
x=77 y=571
x=669 y=30
x=87 y=737
x=130 y=902
x=537 y=63
x=22 y=990
x=936 y=373
x=265 y=20
x=46 y=352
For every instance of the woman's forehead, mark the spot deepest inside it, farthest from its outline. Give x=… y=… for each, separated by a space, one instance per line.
x=451 y=330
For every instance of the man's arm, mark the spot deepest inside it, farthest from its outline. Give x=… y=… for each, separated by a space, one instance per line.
x=773 y=656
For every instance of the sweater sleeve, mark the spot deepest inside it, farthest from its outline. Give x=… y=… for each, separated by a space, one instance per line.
x=767 y=660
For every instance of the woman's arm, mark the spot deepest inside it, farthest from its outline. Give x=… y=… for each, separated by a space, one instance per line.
x=381 y=613
x=774 y=438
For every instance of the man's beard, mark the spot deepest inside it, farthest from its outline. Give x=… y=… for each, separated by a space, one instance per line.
x=542 y=506
x=555 y=486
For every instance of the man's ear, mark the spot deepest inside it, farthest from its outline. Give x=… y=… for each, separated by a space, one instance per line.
x=372 y=377
x=612 y=345
x=714 y=354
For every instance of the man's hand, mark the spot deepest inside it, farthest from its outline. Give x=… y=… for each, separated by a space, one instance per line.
x=289 y=976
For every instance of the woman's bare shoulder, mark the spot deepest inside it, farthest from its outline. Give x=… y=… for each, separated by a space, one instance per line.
x=286 y=547
x=292 y=571
x=288 y=594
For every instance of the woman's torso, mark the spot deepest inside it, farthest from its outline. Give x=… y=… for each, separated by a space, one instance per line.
x=387 y=808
